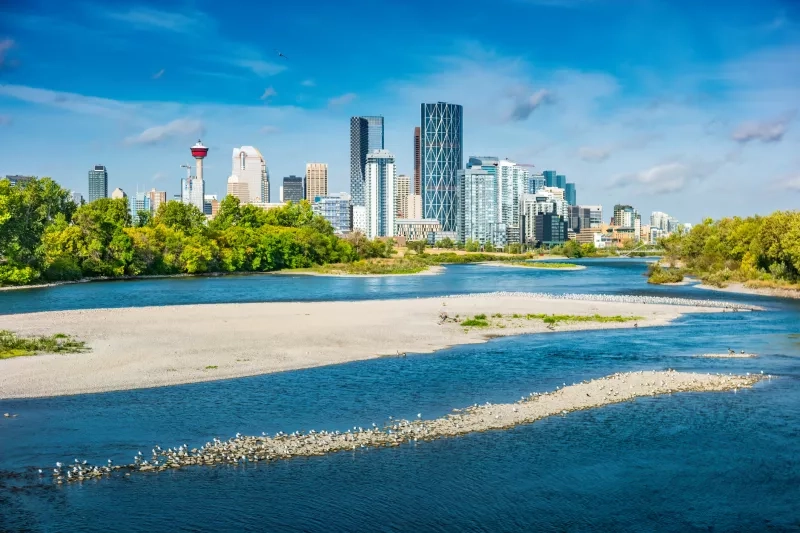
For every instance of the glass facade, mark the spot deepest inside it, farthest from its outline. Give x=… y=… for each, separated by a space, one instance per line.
x=359 y=147
x=570 y=194
x=374 y=133
x=294 y=189
x=380 y=183
x=561 y=181
x=139 y=202
x=98 y=183
x=335 y=209
x=549 y=178
x=441 y=157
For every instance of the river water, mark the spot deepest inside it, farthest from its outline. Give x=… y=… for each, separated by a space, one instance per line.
x=688 y=462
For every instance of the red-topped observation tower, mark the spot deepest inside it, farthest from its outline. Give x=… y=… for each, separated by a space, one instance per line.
x=199 y=152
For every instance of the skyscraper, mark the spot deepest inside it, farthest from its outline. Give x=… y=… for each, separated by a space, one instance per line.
x=477 y=211
x=359 y=146
x=571 y=194
x=536 y=182
x=441 y=157
x=294 y=189
x=549 y=178
x=380 y=197
x=193 y=190
x=238 y=188
x=316 y=180
x=375 y=133
x=401 y=192
x=251 y=167
x=98 y=183
x=417 y=184
x=156 y=199
x=139 y=202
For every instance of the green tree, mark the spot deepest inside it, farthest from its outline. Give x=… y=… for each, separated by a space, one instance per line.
x=417 y=247
x=447 y=243
x=177 y=215
x=471 y=246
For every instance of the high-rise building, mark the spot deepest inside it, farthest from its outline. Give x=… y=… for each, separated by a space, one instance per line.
x=414 y=207
x=579 y=218
x=402 y=190
x=663 y=222
x=541 y=203
x=360 y=218
x=478 y=216
x=316 y=180
x=550 y=178
x=294 y=189
x=561 y=181
x=336 y=209
x=571 y=194
x=139 y=202
x=77 y=198
x=550 y=229
x=380 y=181
x=238 y=188
x=536 y=182
x=251 y=167
x=118 y=194
x=624 y=216
x=193 y=189
x=374 y=133
x=595 y=215
x=441 y=157
x=156 y=199
x=98 y=183
x=359 y=146
x=209 y=200
x=512 y=181
x=417 y=183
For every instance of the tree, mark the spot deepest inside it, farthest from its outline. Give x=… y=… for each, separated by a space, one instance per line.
x=177 y=215
x=143 y=218
x=471 y=246
x=417 y=247
x=447 y=242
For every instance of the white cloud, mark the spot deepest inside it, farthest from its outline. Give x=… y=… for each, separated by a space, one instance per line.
x=594 y=155
x=790 y=184
x=342 y=100
x=180 y=128
x=159 y=176
x=69 y=101
x=308 y=83
x=765 y=131
x=269 y=130
x=660 y=179
x=145 y=18
x=259 y=67
x=269 y=92
x=158 y=74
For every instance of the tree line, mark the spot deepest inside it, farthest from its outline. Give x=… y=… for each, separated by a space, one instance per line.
x=45 y=236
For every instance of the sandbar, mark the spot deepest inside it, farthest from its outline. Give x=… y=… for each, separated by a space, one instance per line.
x=531 y=264
x=734 y=355
x=143 y=347
x=430 y=271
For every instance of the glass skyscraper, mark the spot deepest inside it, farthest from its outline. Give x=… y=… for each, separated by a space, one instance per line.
x=561 y=181
x=570 y=195
x=359 y=147
x=294 y=189
x=441 y=157
x=375 y=133
x=550 y=178
x=98 y=183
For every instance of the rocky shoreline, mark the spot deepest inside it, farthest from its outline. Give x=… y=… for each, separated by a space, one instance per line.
x=242 y=450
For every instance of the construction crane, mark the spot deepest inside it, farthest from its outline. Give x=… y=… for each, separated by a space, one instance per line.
x=188 y=170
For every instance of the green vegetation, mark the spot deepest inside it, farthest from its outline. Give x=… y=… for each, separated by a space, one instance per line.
x=550 y=319
x=373 y=266
x=544 y=264
x=658 y=274
x=478 y=321
x=44 y=236
x=12 y=345
x=760 y=251
x=212 y=367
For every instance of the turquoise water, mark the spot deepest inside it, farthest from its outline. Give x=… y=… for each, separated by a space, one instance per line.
x=691 y=462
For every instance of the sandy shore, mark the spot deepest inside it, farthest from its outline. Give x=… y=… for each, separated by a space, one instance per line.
x=740 y=288
x=531 y=265
x=241 y=450
x=430 y=271
x=734 y=355
x=158 y=346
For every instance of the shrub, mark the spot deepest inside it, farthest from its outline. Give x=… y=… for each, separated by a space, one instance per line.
x=658 y=274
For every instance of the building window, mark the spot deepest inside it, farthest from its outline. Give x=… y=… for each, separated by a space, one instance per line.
x=242 y=159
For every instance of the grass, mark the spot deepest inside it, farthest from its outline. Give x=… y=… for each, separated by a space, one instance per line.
x=543 y=264
x=12 y=345
x=367 y=267
x=480 y=321
x=212 y=367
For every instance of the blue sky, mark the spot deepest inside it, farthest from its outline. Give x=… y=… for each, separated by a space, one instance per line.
x=681 y=106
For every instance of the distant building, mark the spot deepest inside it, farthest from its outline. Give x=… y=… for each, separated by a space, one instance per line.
x=251 y=168
x=571 y=194
x=336 y=209
x=549 y=178
x=98 y=183
x=380 y=196
x=536 y=182
x=118 y=194
x=664 y=222
x=416 y=229
x=561 y=181
x=209 y=202
x=156 y=199
x=316 y=180
x=360 y=218
x=359 y=146
x=139 y=202
x=624 y=216
x=294 y=189
x=478 y=217
x=238 y=188
x=579 y=218
x=595 y=215
x=77 y=198
x=374 y=133
x=549 y=229
x=19 y=180
x=441 y=157
x=414 y=206
x=402 y=190
x=534 y=205
x=193 y=191
x=417 y=152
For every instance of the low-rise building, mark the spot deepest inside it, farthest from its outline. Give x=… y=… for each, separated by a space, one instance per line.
x=336 y=209
x=416 y=229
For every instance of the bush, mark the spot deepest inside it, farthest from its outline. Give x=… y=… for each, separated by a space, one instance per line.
x=12 y=275
x=63 y=269
x=658 y=274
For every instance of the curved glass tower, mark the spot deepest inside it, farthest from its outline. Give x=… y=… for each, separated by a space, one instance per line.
x=441 y=157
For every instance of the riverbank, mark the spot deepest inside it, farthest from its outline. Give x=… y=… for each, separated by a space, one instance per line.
x=241 y=450
x=542 y=265
x=158 y=346
x=428 y=271
x=742 y=288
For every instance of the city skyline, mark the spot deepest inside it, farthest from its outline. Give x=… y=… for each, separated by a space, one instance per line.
x=681 y=126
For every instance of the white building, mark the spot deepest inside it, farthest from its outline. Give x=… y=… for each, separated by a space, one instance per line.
x=414 y=206
x=360 y=218
x=336 y=209
x=238 y=188
x=118 y=193
x=379 y=194
x=77 y=198
x=512 y=183
x=193 y=190
x=595 y=215
x=251 y=168
x=402 y=190
x=664 y=222
x=416 y=229
x=541 y=203
x=478 y=214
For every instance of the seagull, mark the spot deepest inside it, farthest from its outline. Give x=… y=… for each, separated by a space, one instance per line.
x=281 y=54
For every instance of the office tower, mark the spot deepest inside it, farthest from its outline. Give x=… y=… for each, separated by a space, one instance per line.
x=580 y=217
x=379 y=189
x=17 y=180
x=118 y=194
x=595 y=215
x=360 y=219
x=238 y=188
x=549 y=178
x=550 y=229
x=441 y=157
x=336 y=209
x=139 y=202
x=251 y=168
x=561 y=181
x=478 y=216
x=98 y=183
x=414 y=207
x=294 y=189
x=536 y=182
x=417 y=184
x=374 y=133
x=541 y=203
x=401 y=192
x=359 y=146
x=193 y=190
x=156 y=199
x=316 y=180
x=77 y=198
x=571 y=194
x=512 y=183
x=624 y=216
x=208 y=204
